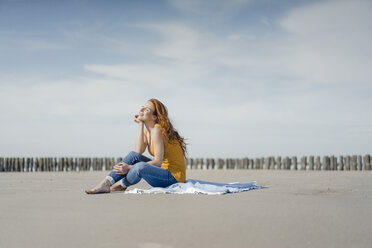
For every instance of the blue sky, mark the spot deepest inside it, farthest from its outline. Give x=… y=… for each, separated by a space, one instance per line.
x=239 y=78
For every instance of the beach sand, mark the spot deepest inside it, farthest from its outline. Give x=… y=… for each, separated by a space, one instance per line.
x=298 y=209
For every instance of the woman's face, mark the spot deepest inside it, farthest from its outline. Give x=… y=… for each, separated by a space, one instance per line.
x=146 y=112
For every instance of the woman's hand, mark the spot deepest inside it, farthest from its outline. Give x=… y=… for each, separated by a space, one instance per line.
x=136 y=118
x=122 y=168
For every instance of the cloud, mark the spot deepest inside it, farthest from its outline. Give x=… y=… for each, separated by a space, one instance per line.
x=210 y=7
x=328 y=42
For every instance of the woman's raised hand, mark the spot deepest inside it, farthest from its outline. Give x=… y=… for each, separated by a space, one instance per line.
x=136 y=118
x=121 y=168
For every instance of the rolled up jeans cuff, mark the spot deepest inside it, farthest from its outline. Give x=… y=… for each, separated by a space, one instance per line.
x=125 y=183
x=111 y=180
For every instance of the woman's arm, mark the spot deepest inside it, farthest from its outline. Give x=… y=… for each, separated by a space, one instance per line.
x=157 y=138
x=141 y=140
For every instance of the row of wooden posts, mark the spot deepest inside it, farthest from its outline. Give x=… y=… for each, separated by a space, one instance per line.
x=354 y=162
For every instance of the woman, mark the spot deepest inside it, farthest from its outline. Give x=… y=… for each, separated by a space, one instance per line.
x=164 y=143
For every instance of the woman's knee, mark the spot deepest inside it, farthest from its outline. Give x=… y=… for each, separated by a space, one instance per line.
x=133 y=153
x=140 y=166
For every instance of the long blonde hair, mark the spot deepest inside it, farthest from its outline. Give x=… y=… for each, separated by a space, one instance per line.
x=167 y=129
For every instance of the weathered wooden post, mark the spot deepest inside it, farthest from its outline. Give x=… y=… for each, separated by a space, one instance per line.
x=272 y=163
x=191 y=163
x=237 y=164
x=360 y=163
x=294 y=163
x=220 y=163
x=202 y=164
x=256 y=163
x=341 y=163
x=347 y=163
x=16 y=164
x=285 y=163
x=213 y=164
x=318 y=165
x=262 y=159
x=245 y=163
x=187 y=162
x=6 y=164
x=207 y=163
x=54 y=164
x=333 y=163
x=95 y=164
x=266 y=163
x=354 y=165
x=32 y=164
x=101 y=164
x=326 y=163
x=279 y=165
x=367 y=162
x=196 y=163
x=303 y=163
x=37 y=164
x=311 y=163
x=22 y=164
x=13 y=162
x=251 y=164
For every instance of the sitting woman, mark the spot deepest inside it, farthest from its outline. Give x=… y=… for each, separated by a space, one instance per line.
x=164 y=143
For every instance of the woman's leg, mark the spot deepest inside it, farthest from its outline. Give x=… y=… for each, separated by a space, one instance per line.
x=131 y=159
x=104 y=186
x=154 y=175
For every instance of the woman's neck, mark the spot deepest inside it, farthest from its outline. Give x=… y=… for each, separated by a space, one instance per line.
x=150 y=125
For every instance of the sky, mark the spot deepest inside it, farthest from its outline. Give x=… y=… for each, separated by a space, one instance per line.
x=240 y=78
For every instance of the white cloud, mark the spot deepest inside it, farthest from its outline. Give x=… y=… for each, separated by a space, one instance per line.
x=329 y=42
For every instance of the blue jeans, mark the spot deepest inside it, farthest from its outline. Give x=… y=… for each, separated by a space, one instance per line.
x=154 y=175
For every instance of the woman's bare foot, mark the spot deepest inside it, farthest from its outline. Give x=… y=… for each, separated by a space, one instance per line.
x=102 y=187
x=117 y=187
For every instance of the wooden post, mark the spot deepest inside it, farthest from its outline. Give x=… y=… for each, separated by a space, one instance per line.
x=251 y=164
x=303 y=163
x=23 y=164
x=13 y=164
x=266 y=165
x=333 y=163
x=207 y=163
x=317 y=163
x=262 y=160
x=279 y=163
x=237 y=164
x=202 y=165
x=191 y=163
x=285 y=163
x=2 y=164
x=257 y=163
x=16 y=164
x=100 y=164
x=326 y=163
x=367 y=162
x=272 y=163
x=213 y=163
x=311 y=163
x=245 y=163
x=220 y=163
x=360 y=163
x=347 y=163
x=294 y=163
x=354 y=162
x=54 y=164
x=341 y=163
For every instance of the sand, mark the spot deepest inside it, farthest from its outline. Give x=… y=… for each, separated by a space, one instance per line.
x=298 y=209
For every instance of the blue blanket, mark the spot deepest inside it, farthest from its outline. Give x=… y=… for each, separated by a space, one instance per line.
x=192 y=186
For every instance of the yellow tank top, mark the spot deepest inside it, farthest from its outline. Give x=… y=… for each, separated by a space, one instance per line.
x=173 y=159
